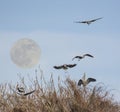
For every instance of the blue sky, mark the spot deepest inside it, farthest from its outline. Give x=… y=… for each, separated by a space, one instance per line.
x=51 y=25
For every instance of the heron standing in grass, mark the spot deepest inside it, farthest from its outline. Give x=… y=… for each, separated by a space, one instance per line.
x=83 y=56
x=85 y=81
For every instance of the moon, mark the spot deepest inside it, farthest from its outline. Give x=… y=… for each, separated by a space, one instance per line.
x=25 y=53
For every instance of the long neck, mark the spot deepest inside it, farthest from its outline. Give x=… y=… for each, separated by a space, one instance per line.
x=84 y=80
x=84 y=77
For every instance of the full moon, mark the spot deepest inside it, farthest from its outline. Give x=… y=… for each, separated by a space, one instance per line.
x=25 y=53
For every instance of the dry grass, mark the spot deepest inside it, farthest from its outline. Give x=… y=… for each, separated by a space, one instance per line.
x=68 y=97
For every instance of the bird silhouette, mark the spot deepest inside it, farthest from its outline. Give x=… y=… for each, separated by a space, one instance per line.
x=25 y=94
x=81 y=57
x=88 y=21
x=85 y=81
x=65 y=66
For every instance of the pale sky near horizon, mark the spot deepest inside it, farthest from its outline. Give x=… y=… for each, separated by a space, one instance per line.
x=51 y=25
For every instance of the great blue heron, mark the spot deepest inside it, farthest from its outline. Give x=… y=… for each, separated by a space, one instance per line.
x=85 y=81
x=65 y=66
x=81 y=57
x=88 y=21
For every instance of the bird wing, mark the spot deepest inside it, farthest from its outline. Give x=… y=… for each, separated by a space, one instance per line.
x=88 y=55
x=95 y=19
x=80 y=57
x=81 y=21
x=91 y=80
x=84 y=21
x=58 y=67
x=80 y=82
x=29 y=93
x=71 y=65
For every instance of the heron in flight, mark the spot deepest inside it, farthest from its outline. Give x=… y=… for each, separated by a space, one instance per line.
x=88 y=22
x=81 y=57
x=65 y=66
x=28 y=93
x=85 y=81
x=21 y=91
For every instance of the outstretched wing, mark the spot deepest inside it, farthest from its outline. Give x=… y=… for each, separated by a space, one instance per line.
x=81 y=21
x=58 y=67
x=95 y=19
x=79 y=57
x=71 y=65
x=88 y=55
x=80 y=82
x=91 y=80
x=29 y=93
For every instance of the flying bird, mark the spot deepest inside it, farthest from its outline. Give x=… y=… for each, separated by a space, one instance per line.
x=65 y=66
x=28 y=93
x=85 y=81
x=81 y=57
x=21 y=91
x=88 y=21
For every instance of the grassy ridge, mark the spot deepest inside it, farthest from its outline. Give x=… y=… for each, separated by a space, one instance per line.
x=68 y=97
